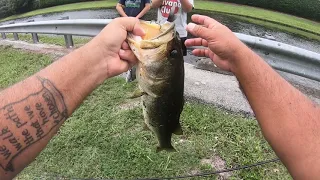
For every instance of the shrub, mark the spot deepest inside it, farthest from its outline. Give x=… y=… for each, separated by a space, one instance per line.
x=10 y=7
x=49 y=3
x=5 y=9
x=21 y=6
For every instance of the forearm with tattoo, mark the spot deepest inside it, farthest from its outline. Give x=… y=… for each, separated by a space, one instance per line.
x=32 y=111
x=29 y=120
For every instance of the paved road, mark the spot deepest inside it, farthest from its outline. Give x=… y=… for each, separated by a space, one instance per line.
x=224 y=89
x=201 y=85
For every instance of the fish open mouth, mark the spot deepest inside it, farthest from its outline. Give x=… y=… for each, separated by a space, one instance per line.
x=151 y=29
x=156 y=35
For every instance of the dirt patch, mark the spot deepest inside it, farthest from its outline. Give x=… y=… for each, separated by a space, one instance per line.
x=182 y=141
x=55 y=51
x=194 y=172
x=218 y=164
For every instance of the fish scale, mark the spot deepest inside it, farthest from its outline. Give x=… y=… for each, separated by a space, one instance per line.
x=160 y=75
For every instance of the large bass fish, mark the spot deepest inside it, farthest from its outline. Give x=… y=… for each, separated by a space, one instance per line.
x=160 y=75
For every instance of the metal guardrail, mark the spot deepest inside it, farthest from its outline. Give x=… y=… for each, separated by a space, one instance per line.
x=280 y=56
x=285 y=57
x=78 y=27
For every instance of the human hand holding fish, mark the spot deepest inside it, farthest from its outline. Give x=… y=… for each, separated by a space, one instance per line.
x=221 y=44
x=113 y=48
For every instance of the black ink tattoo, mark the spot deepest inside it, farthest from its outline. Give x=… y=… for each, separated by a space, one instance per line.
x=42 y=113
x=5 y=152
x=11 y=115
x=43 y=110
x=7 y=134
x=37 y=125
x=29 y=112
x=28 y=139
x=14 y=141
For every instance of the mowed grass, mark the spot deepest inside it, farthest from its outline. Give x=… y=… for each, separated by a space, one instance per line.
x=104 y=137
x=262 y=14
x=52 y=39
x=67 y=7
x=274 y=26
x=234 y=9
x=17 y=65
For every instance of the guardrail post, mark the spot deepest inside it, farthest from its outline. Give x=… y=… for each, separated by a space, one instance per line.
x=35 y=37
x=3 y=35
x=68 y=38
x=69 y=41
x=15 y=35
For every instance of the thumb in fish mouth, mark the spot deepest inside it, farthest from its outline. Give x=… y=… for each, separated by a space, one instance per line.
x=131 y=24
x=138 y=31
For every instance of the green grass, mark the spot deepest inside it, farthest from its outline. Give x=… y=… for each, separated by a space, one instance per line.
x=16 y=65
x=274 y=26
x=67 y=7
x=104 y=137
x=258 y=13
x=56 y=40
x=239 y=10
x=267 y=24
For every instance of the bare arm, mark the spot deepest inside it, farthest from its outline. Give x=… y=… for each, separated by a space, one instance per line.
x=186 y=6
x=156 y=3
x=120 y=10
x=289 y=121
x=144 y=10
x=33 y=110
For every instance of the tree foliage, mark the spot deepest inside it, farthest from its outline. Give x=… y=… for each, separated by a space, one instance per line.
x=5 y=9
x=21 y=6
x=303 y=8
x=49 y=3
x=10 y=7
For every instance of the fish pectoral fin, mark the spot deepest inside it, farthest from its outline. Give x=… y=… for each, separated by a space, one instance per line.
x=137 y=93
x=178 y=130
x=168 y=149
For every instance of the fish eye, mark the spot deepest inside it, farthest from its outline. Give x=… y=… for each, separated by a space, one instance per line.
x=174 y=53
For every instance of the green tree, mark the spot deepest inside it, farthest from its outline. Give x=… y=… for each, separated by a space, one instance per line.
x=21 y=6
x=5 y=9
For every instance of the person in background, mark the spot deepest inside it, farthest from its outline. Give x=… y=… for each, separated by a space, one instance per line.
x=181 y=8
x=289 y=120
x=133 y=8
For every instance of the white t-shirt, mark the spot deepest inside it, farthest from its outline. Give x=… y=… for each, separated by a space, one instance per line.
x=181 y=21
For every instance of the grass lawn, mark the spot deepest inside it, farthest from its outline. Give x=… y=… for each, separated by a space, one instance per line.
x=262 y=14
x=239 y=10
x=287 y=29
x=104 y=137
x=56 y=40
x=67 y=7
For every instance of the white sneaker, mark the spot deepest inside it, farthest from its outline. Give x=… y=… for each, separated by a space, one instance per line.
x=129 y=76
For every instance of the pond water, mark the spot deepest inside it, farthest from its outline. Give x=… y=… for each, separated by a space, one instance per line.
x=235 y=24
